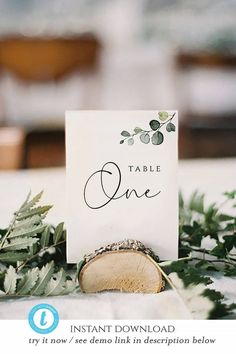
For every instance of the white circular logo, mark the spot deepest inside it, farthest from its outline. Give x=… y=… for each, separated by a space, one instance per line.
x=43 y=318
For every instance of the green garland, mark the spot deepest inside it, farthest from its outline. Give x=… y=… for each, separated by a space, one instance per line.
x=33 y=254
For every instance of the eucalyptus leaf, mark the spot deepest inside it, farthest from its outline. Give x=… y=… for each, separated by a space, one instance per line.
x=163 y=115
x=125 y=133
x=138 y=130
x=154 y=124
x=130 y=141
x=157 y=138
x=170 y=127
x=145 y=138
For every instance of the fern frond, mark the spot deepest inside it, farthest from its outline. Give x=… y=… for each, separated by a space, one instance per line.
x=29 y=222
x=44 y=276
x=28 y=281
x=69 y=287
x=13 y=257
x=19 y=243
x=10 y=281
x=45 y=237
x=25 y=232
x=35 y=211
x=55 y=286
x=29 y=204
x=58 y=233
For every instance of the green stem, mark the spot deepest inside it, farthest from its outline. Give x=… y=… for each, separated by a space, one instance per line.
x=230 y=260
x=169 y=120
x=149 y=131
x=214 y=261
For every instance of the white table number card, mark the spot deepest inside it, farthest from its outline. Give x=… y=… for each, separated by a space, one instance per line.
x=121 y=180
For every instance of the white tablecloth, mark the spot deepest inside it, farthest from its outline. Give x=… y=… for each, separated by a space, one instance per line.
x=212 y=177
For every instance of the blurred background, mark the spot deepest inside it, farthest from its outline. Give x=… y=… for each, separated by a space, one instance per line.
x=62 y=55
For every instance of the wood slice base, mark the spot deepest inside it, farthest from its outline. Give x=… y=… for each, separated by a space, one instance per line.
x=124 y=270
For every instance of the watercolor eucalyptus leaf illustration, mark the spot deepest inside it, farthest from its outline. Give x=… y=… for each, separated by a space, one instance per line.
x=130 y=141
x=138 y=130
x=157 y=138
x=145 y=138
x=154 y=124
x=163 y=116
x=125 y=133
x=170 y=127
x=153 y=135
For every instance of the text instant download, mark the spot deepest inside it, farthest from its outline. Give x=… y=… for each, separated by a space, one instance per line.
x=122 y=329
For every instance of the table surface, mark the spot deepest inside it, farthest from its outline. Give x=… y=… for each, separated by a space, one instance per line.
x=212 y=177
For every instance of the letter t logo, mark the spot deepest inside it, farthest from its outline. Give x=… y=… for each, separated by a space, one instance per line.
x=43 y=322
